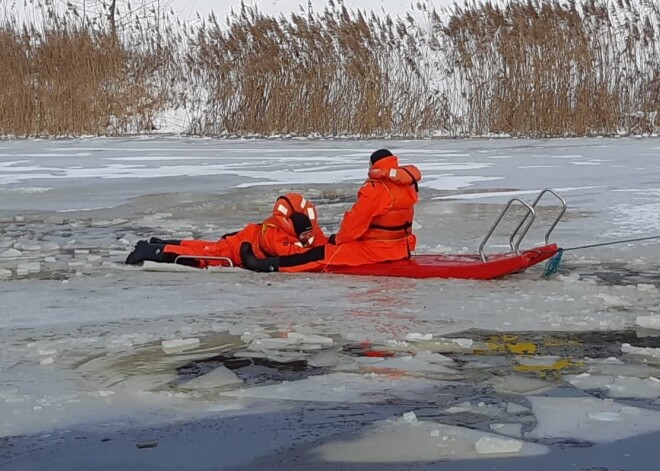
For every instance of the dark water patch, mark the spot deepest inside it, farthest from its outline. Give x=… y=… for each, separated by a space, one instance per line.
x=252 y=370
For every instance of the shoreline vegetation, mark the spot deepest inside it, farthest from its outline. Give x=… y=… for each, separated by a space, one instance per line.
x=526 y=69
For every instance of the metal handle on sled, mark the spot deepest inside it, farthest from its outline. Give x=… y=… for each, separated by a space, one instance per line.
x=205 y=257
x=530 y=210
x=554 y=224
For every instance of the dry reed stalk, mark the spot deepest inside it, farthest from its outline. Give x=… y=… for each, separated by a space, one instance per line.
x=555 y=69
x=64 y=77
x=533 y=68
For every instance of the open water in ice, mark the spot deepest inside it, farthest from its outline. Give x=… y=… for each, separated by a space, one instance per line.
x=247 y=371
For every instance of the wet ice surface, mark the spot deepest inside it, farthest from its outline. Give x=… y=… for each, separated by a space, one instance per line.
x=453 y=369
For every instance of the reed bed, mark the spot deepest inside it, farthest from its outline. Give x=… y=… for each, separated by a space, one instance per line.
x=533 y=68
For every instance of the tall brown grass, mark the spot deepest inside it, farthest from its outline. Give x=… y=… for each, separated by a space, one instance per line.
x=63 y=76
x=556 y=68
x=532 y=68
x=333 y=73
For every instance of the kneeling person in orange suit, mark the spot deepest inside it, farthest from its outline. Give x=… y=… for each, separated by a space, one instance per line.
x=292 y=228
x=377 y=228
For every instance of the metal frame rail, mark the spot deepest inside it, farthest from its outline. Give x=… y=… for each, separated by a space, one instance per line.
x=515 y=246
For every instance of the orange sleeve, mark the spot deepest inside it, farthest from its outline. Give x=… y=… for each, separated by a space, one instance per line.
x=275 y=242
x=371 y=201
x=319 y=237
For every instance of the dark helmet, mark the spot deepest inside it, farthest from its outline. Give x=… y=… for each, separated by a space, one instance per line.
x=379 y=154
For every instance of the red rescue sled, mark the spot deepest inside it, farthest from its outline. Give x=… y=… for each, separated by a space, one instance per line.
x=478 y=266
x=453 y=266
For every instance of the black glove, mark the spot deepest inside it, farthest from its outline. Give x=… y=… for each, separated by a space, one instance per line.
x=332 y=239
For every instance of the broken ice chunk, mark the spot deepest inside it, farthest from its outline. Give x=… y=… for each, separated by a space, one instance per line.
x=613 y=301
x=409 y=417
x=604 y=416
x=27 y=244
x=646 y=287
x=219 y=377
x=271 y=343
x=588 y=418
x=512 y=430
x=518 y=384
x=649 y=322
x=415 y=337
x=495 y=445
x=179 y=345
x=27 y=268
x=641 y=351
x=11 y=253
x=395 y=441
x=310 y=338
x=513 y=408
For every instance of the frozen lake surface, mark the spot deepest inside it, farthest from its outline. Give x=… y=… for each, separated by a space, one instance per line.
x=516 y=369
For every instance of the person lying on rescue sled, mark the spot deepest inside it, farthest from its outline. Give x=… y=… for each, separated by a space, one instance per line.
x=377 y=228
x=292 y=228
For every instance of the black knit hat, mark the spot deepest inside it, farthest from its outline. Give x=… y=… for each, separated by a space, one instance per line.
x=380 y=154
x=301 y=223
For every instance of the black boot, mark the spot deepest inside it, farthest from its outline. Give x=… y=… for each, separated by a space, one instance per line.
x=158 y=240
x=146 y=251
x=251 y=262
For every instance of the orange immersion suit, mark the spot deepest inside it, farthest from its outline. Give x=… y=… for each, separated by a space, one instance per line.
x=378 y=227
x=276 y=236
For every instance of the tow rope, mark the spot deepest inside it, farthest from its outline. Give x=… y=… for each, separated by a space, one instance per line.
x=552 y=265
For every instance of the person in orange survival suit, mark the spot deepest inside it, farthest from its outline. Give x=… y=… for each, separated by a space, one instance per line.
x=292 y=228
x=377 y=228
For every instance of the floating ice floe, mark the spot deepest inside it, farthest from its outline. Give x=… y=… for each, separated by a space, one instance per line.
x=27 y=268
x=179 y=345
x=613 y=301
x=480 y=408
x=512 y=430
x=589 y=418
x=646 y=287
x=413 y=337
x=28 y=245
x=519 y=384
x=513 y=408
x=649 y=322
x=219 y=377
x=323 y=359
x=618 y=386
x=571 y=277
x=404 y=440
x=282 y=344
x=615 y=367
x=310 y=339
x=649 y=352
x=11 y=253
x=341 y=387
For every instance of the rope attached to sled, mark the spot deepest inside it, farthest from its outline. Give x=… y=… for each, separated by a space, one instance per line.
x=552 y=265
